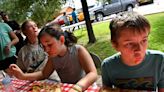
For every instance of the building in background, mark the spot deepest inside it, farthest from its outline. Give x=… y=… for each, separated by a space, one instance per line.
x=77 y=3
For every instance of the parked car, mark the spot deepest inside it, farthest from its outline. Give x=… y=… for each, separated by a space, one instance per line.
x=58 y=20
x=145 y=1
x=109 y=7
x=81 y=16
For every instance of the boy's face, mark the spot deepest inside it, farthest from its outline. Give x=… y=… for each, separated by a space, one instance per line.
x=132 y=46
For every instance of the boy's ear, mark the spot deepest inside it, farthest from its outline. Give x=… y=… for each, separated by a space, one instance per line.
x=62 y=39
x=115 y=45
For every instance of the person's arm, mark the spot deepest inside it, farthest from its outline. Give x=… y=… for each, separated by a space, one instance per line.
x=88 y=65
x=161 y=90
x=14 y=39
x=45 y=73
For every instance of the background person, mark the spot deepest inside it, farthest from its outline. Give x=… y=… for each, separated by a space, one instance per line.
x=66 y=20
x=7 y=49
x=16 y=28
x=74 y=16
x=32 y=57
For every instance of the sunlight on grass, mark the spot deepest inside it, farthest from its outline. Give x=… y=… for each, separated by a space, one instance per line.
x=156 y=38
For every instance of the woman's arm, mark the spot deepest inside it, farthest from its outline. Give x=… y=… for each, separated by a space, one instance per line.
x=45 y=73
x=14 y=38
x=161 y=90
x=88 y=65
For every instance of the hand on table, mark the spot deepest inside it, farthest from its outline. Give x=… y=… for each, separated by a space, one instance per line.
x=16 y=71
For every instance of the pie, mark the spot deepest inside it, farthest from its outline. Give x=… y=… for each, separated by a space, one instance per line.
x=45 y=87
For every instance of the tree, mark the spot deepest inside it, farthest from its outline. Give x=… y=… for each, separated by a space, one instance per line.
x=45 y=11
x=91 y=35
x=38 y=10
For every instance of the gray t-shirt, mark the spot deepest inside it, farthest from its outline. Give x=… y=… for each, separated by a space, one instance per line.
x=146 y=76
x=32 y=57
x=68 y=67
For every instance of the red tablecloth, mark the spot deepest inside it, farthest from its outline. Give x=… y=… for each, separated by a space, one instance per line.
x=24 y=86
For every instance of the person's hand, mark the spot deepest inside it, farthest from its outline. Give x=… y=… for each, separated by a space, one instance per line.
x=9 y=72
x=7 y=49
x=16 y=71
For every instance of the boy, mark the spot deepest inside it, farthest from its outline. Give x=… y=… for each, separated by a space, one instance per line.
x=65 y=18
x=133 y=67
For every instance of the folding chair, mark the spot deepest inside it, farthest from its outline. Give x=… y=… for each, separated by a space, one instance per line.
x=96 y=60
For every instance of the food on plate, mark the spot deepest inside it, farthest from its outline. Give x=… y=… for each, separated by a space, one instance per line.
x=1 y=86
x=45 y=87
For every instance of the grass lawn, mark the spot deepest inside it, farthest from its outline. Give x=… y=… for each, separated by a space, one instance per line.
x=102 y=46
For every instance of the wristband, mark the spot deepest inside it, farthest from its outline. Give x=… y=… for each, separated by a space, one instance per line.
x=80 y=86
x=77 y=88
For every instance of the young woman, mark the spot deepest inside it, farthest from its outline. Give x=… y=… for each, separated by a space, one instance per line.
x=31 y=57
x=72 y=62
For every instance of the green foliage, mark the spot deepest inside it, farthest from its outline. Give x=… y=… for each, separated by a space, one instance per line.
x=103 y=47
x=38 y=10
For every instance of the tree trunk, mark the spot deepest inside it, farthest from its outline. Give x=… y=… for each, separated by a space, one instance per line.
x=91 y=35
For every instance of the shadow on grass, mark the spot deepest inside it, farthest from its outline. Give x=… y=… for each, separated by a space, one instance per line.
x=102 y=48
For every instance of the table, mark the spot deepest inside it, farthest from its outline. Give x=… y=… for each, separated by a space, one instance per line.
x=25 y=85
x=71 y=27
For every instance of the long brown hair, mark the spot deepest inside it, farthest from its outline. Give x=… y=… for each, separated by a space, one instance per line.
x=56 y=31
